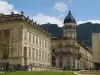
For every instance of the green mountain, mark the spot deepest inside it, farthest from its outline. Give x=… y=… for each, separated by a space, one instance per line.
x=84 y=31
x=53 y=29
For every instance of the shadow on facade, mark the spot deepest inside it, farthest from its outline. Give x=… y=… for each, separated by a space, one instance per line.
x=13 y=67
x=97 y=66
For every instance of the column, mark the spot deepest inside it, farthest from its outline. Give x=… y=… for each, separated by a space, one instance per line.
x=57 y=61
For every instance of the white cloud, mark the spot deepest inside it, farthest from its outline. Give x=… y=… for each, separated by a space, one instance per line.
x=92 y=21
x=43 y=19
x=7 y=8
x=60 y=7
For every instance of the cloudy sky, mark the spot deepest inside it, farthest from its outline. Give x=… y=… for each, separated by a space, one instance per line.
x=54 y=11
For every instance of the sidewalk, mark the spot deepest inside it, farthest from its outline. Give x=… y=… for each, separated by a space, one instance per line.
x=77 y=73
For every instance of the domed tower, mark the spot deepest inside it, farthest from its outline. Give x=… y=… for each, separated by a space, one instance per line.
x=69 y=29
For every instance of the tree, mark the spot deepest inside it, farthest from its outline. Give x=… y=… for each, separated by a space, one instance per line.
x=7 y=50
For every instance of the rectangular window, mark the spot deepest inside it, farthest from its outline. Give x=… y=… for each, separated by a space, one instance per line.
x=45 y=56
x=48 y=57
x=33 y=38
x=48 y=45
x=29 y=52
x=40 y=42
x=25 y=35
x=42 y=55
x=39 y=55
x=45 y=44
x=68 y=60
x=6 y=33
x=36 y=40
x=33 y=52
x=36 y=54
x=30 y=37
x=25 y=52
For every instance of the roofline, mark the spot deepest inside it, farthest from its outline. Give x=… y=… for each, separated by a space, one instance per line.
x=20 y=17
x=79 y=42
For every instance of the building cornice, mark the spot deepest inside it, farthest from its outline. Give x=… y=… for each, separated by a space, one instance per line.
x=81 y=44
x=62 y=38
x=20 y=17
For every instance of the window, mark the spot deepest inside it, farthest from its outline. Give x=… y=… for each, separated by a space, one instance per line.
x=43 y=55
x=29 y=37
x=36 y=40
x=60 y=64
x=45 y=43
x=60 y=45
x=36 y=54
x=53 y=58
x=48 y=57
x=25 y=52
x=33 y=38
x=68 y=58
x=39 y=55
x=25 y=35
x=53 y=50
x=6 y=33
x=53 y=61
x=29 y=52
x=40 y=42
x=60 y=61
x=33 y=52
x=60 y=58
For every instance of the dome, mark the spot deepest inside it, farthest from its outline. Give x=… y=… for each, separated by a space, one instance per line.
x=69 y=18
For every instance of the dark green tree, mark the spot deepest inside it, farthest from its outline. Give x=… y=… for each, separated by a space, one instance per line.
x=7 y=50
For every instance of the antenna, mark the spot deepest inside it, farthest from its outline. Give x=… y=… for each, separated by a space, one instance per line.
x=70 y=1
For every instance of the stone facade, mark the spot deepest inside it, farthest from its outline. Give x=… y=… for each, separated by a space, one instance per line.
x=36 y=49
x=33 y=44
x=85 y=57
x=70 y=54
x=67 y=52
x=96 y=50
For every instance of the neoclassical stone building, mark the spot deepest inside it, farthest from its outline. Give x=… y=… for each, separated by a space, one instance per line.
x=67 y=51
x=33 y=44
x=36 y=48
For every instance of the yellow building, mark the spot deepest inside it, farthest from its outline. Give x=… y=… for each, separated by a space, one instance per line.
x=33 y=44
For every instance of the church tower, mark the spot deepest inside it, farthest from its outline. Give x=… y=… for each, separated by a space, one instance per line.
x=69 y=29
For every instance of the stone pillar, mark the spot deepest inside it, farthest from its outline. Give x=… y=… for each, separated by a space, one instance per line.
x=64 y=61
x=77 y=64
